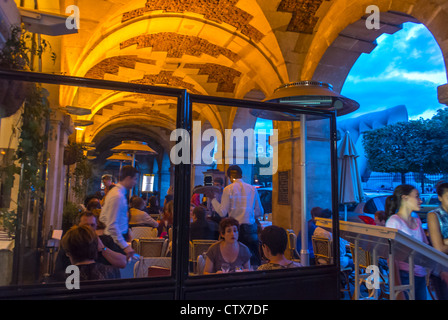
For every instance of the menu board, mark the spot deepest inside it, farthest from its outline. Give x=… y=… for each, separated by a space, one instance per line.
x=283 y=187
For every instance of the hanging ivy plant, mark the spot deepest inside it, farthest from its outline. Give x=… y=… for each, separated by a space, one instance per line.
x=18 y=53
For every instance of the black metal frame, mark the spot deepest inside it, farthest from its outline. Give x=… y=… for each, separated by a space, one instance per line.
x=320 y=282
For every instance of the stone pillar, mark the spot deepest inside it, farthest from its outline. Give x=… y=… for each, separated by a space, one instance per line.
x=286 y=193
x=442 y=93
x=62 y=128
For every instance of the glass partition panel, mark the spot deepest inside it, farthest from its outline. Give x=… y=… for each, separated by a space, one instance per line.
x=86 y=182
x=247 y=187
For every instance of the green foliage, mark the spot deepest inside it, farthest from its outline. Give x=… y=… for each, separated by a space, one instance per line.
x=70 y=215
x=18 y=53
x=9 y=220
x=33 y=137
x=82 y=173
x=20 y=49
x=414 y=146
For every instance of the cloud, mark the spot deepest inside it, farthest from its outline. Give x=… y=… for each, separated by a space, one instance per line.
x=404 y=76
x=404 y=69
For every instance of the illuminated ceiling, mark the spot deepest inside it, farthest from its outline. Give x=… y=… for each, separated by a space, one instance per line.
x=228 y=48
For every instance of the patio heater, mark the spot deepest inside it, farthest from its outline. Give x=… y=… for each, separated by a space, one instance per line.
x=120 y=157
x=134 y=148
x=313 y=94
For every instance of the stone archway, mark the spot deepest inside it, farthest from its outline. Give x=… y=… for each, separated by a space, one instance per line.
x=341 y=36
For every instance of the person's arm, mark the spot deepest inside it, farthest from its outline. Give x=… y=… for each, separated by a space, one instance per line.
x=435 y=234
x=222 y=208
x=258 y=208
x=116 y=259
x=150 y=221
x=209 y=266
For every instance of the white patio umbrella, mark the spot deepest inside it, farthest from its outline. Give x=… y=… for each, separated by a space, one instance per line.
x=350 y=188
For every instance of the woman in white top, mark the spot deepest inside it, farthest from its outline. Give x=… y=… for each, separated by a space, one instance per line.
x=399 y=213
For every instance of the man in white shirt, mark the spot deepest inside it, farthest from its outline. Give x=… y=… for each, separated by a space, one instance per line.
x=114 y=213
x=241 y=201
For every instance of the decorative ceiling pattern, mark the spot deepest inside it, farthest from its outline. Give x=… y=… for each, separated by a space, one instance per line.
x=166 y=78
x=222 y=75
x=303 y=14
x=112 y=65
x=223 y=11
x=176 y=45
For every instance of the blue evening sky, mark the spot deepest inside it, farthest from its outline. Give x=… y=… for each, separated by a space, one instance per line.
x=404 y=69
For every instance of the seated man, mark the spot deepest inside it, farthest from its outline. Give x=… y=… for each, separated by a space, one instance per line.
x=274 y=241
x=109 y=253
x=138 y=217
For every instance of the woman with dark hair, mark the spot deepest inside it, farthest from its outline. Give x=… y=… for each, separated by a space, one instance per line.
x=167 y=220
x=81 y=246
x=438 y=232
x=399 y=213
x=201 y=227
x=153 y=208
x=273 y=242
x=228 y=254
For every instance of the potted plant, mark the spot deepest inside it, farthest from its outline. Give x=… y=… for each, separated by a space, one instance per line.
x=16 y=54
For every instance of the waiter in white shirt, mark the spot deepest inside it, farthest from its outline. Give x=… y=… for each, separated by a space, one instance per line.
x=114 y=213
x=241 y=201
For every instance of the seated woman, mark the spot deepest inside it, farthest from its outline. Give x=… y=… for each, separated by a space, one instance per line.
x=228 y=254
x=274 y=241
x=201 y=227
x=153 y=209
x=81 y=246
x=138 y=217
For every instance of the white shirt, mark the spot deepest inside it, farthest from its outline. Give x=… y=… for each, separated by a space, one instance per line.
x=241 y=201
x=114 y=215
x=396 y=222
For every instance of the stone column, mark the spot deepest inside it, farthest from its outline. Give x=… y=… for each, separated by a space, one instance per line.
x=62 y=128
x=442 y=93
x=286 y=193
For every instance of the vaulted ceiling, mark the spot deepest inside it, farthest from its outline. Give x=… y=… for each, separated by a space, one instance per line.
x=229 y=48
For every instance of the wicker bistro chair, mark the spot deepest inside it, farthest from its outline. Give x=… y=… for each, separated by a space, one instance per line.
x=365 y=260
x=150 y=247
x=198 y=247
x=323 y=255
x=143 y=232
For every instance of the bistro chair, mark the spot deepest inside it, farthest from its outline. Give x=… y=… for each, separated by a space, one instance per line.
x=323 y=255
x=292 y=242
x=199 y=247
x=200 y=264
x=365 y=260
x=150 y=247
x=143 y=232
